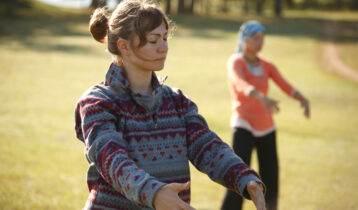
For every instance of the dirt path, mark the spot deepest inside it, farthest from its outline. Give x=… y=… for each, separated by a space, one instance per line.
x=330 y=59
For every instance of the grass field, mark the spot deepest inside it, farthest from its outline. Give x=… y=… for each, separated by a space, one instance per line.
x=48 y=60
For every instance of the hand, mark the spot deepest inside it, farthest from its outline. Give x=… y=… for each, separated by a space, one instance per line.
x=167 y=197
x=304 y=103
x=270 y=104
x=306 y=106
x=256 y=195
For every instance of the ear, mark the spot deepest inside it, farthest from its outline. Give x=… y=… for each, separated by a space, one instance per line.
x=123 y=47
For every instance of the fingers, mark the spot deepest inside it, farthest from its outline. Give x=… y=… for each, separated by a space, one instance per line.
x=307 y=112
x=185 y=206
x=178 y=187
x=273 y=106
x=306 y=106
x=251 y=188
x=167 y=197
x=256 y=195
x=276 y=109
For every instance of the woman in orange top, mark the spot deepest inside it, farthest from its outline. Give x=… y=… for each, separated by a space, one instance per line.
x=252 y=120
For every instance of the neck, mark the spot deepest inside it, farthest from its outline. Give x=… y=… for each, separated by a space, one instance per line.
x=139 y=80
x=251 y=57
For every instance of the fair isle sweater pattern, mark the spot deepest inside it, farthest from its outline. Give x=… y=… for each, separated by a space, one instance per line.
x=137 y=143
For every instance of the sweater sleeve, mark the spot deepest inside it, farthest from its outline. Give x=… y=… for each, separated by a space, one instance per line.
x=97 y=125
x=237 y=77
x=275 y=75
x=209 y=154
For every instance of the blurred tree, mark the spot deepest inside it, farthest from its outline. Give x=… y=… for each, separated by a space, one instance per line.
x=98 y=3
x=277 y=8
x=246 y=6
x=290 y=3
x=308 y=3
x=168 y=7
x=191 y=9
x=338 y=4
x=259 y=6
x=181 y=7
x=9 y=7
x=354 y=4
x=186 y=7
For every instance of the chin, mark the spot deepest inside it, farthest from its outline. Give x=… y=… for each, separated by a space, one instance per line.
x=158 y=67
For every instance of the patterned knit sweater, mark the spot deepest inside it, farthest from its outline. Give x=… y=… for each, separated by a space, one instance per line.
x=137 y=143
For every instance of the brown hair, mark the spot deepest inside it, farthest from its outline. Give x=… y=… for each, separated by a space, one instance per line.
x=131 y=17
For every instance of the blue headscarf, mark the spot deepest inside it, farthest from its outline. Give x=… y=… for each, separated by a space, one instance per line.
x=247 y=30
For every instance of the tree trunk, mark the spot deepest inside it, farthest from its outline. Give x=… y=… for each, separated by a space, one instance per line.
x=246 y=7
x=338 y=4
x=181 y=7
x=191 y=10
x=354 y=4
x=259 y=6
x=278 y=8
x=290 y=3
x=168 y=7
x=307 y=4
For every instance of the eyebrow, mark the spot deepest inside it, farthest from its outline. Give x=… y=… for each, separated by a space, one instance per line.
x=155 y=34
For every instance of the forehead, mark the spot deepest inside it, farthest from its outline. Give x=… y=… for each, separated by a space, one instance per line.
x=258 y=35
x=160 y=30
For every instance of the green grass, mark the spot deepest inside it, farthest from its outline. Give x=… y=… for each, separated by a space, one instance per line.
x=47 y=63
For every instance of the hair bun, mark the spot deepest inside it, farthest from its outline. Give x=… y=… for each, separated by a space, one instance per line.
x=98 y=25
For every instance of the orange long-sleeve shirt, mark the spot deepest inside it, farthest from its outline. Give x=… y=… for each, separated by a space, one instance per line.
x=249 y=113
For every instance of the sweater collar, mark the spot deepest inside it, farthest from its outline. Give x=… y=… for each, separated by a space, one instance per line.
x=116 y=78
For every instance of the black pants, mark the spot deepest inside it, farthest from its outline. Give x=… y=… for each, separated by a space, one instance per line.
x=243 y=144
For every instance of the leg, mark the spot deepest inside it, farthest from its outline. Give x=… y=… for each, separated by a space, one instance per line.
x=268 y=163
x=242 y=145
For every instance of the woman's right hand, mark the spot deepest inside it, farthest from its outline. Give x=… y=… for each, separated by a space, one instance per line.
x=256 y=193
x=270 y=104
x=167 y=197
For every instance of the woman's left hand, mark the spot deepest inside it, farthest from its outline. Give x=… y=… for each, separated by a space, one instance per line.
x=306 y=106
x=304 y=103
x=257 y=195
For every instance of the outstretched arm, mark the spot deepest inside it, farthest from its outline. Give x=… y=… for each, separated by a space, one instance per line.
x=209 y=154
x=287 y=88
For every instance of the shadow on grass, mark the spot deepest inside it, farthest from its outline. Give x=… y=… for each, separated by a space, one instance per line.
x=28 y=33
x=203 y=27
x=25 y=30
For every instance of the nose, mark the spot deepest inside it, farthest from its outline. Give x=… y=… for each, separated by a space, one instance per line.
x=163 y=48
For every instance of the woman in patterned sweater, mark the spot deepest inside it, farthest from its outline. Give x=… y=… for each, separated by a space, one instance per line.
x=252 y=120
x=140 y=134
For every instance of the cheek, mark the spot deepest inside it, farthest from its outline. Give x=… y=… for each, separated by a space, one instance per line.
x=146 y=52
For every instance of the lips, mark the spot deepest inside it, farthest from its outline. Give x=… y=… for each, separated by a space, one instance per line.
x=160 y=59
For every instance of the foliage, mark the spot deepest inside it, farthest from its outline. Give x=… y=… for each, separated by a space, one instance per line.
x=8 y=8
